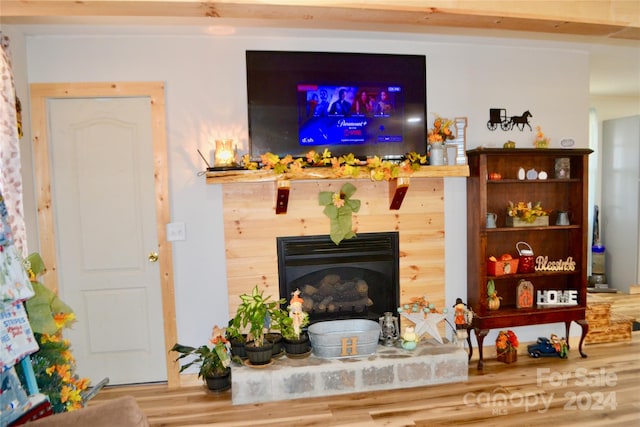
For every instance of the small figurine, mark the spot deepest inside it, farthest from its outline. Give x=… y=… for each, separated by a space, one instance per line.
x=296 y=313
x=564 y=348
x=541 y=141
x=560 y=345
x=463 y=315
x=493 y=300
x=409 y=338
x=545 y=347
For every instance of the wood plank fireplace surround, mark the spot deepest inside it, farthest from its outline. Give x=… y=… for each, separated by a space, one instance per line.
x=251 y=227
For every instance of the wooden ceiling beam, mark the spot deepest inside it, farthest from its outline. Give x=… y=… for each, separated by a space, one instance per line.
x=599 y=18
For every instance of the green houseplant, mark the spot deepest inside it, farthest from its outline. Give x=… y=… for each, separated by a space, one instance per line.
x=254 y=315
x=212 y=358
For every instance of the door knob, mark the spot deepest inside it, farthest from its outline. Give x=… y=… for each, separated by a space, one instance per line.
x=153 y=256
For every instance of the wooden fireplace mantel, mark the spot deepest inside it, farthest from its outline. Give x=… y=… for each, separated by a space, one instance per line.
x=320 y=173
x=397 y=187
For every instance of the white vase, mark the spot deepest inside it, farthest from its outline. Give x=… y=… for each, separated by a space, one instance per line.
x=436 y=155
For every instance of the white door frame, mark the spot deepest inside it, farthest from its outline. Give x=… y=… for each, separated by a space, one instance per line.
x=40 y=92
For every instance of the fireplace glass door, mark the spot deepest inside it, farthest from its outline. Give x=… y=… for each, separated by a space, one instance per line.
x=356 y=279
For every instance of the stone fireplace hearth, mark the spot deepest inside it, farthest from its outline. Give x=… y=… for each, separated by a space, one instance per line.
x=251 y=228
x=390 y=368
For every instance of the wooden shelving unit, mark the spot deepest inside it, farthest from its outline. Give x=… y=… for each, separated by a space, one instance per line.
x=557 y=242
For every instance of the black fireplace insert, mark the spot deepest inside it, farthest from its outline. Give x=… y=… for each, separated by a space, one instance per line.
x=359 y=278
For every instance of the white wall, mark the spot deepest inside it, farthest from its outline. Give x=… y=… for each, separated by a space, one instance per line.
x=605 y=108
x=615 y=107
x=206 y=99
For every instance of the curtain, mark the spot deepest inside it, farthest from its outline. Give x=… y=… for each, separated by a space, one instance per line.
x=10 y=177
x=16 y=334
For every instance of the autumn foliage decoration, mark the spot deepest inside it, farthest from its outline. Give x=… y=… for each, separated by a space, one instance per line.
x=507 y=346
x=54 y=364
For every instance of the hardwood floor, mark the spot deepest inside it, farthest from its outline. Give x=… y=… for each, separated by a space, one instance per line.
x=602 y=389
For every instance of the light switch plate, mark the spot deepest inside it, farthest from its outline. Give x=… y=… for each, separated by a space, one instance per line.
x=176 y=231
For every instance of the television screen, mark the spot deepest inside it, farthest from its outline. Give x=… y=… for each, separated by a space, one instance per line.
x=365 y=104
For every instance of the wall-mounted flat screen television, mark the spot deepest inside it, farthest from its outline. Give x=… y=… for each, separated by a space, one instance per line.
x=365 y=104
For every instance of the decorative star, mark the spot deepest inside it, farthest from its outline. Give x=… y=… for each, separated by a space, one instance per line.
x=426 y=323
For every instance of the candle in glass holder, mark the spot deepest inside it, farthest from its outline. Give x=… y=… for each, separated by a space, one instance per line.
x=225 y=154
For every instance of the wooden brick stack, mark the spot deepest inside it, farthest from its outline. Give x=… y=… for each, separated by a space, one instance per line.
x=605 y=326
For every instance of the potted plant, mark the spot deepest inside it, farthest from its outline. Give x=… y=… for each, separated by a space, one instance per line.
x=275 y=338
x=236 y=339
x=292 y=323
x=212 y=358
x=273 y=333
x=254 y=316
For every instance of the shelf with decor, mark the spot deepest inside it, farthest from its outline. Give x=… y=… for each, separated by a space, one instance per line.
x=321 y=173
x=520 y=229
x=519 y=276
x=543 y=192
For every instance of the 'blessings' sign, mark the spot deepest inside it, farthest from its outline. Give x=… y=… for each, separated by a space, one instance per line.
x=543 y=264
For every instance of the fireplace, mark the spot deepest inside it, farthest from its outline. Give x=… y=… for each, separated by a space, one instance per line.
x=359 y=278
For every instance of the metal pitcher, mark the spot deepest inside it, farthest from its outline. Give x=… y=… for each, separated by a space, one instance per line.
x=563 y=218
x=491 y=220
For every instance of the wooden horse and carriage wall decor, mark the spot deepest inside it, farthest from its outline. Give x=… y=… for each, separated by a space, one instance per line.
x=498 y=117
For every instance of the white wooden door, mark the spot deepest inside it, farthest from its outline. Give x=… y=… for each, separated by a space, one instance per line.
x=102 y=183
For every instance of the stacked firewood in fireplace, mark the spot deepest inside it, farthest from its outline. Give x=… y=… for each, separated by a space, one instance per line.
x=334 y=294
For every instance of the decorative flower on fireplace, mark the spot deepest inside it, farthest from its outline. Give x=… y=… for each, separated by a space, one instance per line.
x=339 y=207
x=441 y=131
